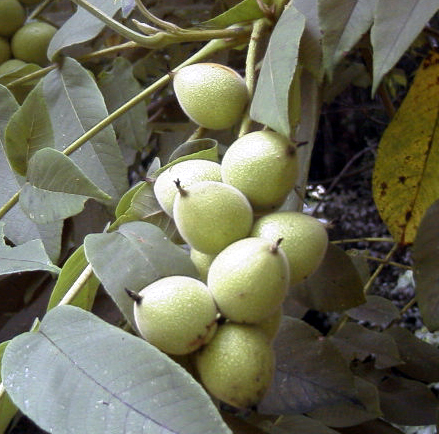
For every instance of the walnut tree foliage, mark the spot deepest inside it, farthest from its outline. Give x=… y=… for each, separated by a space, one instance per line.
x=83 y=138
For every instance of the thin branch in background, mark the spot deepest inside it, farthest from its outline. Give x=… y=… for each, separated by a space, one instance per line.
x=346 y=175
x=339 y=176
x=365 y=239
x=383 y=261
x=380 y=267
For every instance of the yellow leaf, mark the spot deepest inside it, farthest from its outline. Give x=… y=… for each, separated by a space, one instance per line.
x=406 y=174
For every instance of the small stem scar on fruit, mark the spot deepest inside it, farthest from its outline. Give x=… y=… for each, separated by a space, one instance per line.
x=181 y=190
x=136 y=297
x=275 y=247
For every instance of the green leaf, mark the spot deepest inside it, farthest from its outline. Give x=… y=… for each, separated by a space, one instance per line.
x=343 y=23
x=145 y=207
x=310 y=372
x=28 y=131
x=200 y=149
x=70 y=272
x=75 y=106
x=82 y=26
x=118 y=85
x=405 y=181
x=377 y=426
x=19 y=228
x=21 y=91
x=8 y=106
x=376 y=310
x=356 y=342
x=334 y=286
x=56 y=187
x=245 y=10
x=298 y=423
x=29 y=256
x=270 y=104
x=426 y=273
x=421 y=360
x=7 y=408
x=310 y=51
x=348 y=73
x=347 y=413
x=80 y=374
x=396 y=25
x=134 y=256
x=125 y=201
x=403 y=401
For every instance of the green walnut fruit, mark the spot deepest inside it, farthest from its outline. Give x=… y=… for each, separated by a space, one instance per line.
x=249 y=279
x=188 y=172
x=264 y=166
x=30 y=42
x=237 y=365
x=5 y=53
x=202 y=262
x=177 y=314
x=304 y=240
x=11 y=65
x=210 y=215
x=212 y=95
x=12 y=17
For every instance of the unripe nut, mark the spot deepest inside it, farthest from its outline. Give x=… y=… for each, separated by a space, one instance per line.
x=210 y=215
x=264 y=166
x=305 y=240
x=237 y=365
x=212 y=95
x=249 y=280
x=177 y=314
x=187 y=172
